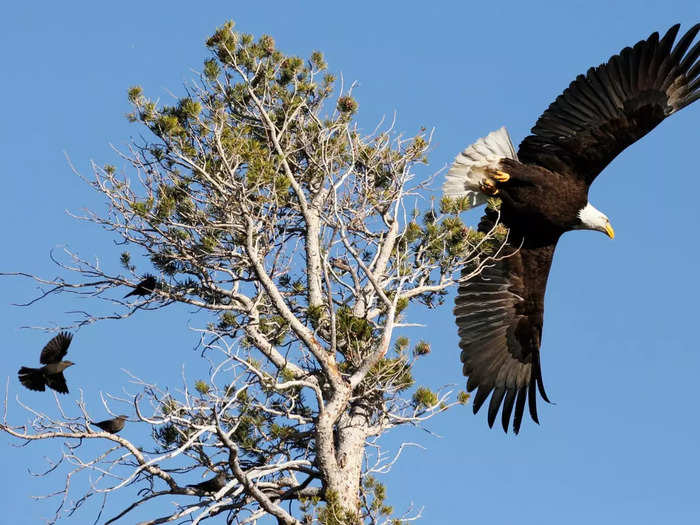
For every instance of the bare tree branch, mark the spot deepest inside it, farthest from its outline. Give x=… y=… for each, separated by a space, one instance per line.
x=257 y=200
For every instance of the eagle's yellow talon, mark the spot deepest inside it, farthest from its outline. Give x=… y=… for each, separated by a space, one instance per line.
x=488 y=187
x=501 y=176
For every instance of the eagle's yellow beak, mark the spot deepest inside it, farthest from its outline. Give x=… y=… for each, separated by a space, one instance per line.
x=609 y=230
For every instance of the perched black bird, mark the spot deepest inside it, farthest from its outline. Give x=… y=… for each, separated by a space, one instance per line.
x=145 y=287
x=214 y=484
x=51 y=374
x=112 y=425
x=544 y=193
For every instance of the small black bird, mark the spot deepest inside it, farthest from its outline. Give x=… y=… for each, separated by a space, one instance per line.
x=145 y=287
x=51 y=374
x=112 y=425
x=214 y=484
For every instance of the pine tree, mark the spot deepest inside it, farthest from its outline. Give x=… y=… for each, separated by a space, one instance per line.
x=262 y=203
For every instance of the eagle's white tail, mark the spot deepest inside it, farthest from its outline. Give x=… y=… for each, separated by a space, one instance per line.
x=468 y=171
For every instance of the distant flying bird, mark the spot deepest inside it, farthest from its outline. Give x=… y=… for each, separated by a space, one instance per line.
x=51 y=374
x=112 y=425
x=214 y=484
x=145 y=287
x=544 y=193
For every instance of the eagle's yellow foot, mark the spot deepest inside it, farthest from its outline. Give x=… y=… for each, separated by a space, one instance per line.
x=501 y=176
x=488 y=187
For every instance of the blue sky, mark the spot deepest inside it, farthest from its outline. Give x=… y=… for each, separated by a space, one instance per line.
x=620 y=355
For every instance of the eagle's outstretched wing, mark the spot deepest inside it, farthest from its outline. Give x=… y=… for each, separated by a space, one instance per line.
x=499 y=316
x=615 y=104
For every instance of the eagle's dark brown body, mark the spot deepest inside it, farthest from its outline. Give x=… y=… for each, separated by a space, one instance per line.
x=544 y=193
x=527 y=198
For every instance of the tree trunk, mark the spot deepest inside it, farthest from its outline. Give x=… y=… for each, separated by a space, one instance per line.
x=342 y=466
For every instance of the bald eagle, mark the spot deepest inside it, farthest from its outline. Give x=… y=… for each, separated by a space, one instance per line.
x=543 y=190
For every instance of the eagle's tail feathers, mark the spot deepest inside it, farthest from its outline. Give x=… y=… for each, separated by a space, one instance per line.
x=468 y=171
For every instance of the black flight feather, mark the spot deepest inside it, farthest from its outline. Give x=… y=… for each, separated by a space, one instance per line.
x=519 y=409
x=495 y=404
x=508 y=408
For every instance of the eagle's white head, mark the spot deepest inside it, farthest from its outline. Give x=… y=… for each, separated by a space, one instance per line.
x=593 y=219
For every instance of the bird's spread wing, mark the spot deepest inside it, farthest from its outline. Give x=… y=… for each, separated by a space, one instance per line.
x=57 y=382
x=499 y=319
x=56 y=349
x=615 y=104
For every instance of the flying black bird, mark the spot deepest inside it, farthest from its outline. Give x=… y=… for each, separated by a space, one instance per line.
x=51 y=374
x=145 y=287
x=544 y=193
x=214 y=484
x=112 y=425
